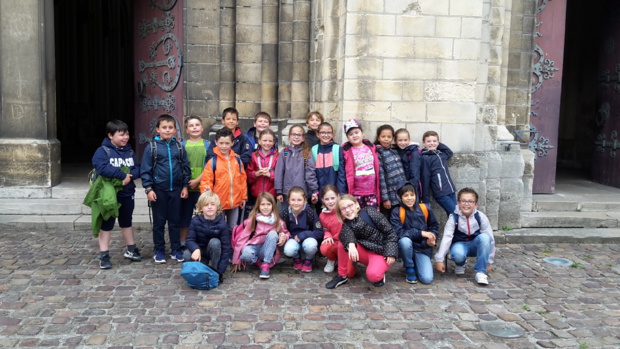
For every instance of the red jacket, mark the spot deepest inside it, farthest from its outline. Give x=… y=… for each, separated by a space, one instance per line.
x=331 y=224
x=261 y=183
x=349 y=166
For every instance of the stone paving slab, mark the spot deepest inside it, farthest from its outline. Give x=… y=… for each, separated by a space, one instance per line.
x=52 y=294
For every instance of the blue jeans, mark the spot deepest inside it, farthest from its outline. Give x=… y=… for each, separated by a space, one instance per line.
x=264 y=252
x=309 y=245
x=232 y=218
x=209 y=255
x=480 y=247
x=447 y=202
x=416 y=259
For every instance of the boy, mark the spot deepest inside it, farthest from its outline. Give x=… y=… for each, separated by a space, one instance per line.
x=468 y=233
x=434 y=174
x=240 y=145
x=313 y=120
x=108 y=159
x=225 y=176
x=165 y=177
x=262 y=121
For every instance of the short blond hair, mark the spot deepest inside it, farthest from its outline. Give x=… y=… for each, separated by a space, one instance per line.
x=208 y=197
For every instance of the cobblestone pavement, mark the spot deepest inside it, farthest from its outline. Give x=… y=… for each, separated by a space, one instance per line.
x=54 y=294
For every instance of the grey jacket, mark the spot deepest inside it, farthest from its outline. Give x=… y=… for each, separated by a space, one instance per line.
x=292 y=170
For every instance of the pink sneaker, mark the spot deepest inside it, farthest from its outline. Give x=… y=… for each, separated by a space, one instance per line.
x=297 y=263
x=307 y=267
x=264 y=271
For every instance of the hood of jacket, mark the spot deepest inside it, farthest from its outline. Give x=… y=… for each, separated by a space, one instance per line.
x=417 y=197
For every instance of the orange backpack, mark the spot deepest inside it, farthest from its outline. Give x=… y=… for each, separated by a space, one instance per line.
x=422 y=206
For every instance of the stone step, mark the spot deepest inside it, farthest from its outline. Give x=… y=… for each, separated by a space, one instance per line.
x=558 y=235
x=575 y=206
x=569 y=219
x=65 y=206
x=80 y=222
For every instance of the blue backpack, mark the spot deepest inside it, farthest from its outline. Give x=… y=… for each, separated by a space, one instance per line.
x=199 y=276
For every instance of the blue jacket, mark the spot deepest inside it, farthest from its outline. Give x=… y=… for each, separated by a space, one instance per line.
x=391 y=172
x=300 y=225
x=434 y=174
x=253 y=139
x=324 y=166
x=109 y=166
x=414 y=224
x=171 y=171
x=411 y=158
x=241 y=146
x=202 y=230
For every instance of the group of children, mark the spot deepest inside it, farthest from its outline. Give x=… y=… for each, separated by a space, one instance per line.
x=373 y=199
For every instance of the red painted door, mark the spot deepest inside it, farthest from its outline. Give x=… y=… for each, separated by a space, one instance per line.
x=606 y=160
x=158 y=31
x=546 y=91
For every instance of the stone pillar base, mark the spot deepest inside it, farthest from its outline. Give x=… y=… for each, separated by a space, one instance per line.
x=29 y=162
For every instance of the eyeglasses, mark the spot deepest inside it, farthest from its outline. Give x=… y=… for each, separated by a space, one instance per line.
x=295 y=134
x=467 y=202
x=325 y=133
x=349 y=207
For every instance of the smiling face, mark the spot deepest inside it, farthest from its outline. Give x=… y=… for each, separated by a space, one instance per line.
x=326 y=134
x=209 y=210
x=296 y=135
x=265 y=208
x=313 y=122
x=348 y=209
x=355 y=137
x=266 y=142
x=431 y=142
x=194 y=128
x=329 y=200
x=224 y=144
x=467 y=203
x=408 y=199
x=385 y=138
x=230 y=120
x=261 y=124
x=297 y=202
x=166 y=130
x=119 y=138
x=402 y=140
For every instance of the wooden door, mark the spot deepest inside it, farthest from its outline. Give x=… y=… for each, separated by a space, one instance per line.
x=547 y=91
x=606 y=160
x=158 y=33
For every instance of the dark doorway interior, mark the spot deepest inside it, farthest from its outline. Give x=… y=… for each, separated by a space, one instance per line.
x=94 y=72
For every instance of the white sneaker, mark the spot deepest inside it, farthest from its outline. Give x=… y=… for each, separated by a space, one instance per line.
x=329 y=267
x=459 y=270
x=482 y=279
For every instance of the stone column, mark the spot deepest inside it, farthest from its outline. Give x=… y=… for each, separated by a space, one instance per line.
x=29 y=150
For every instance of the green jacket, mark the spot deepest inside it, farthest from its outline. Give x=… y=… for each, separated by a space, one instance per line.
x=101 y=198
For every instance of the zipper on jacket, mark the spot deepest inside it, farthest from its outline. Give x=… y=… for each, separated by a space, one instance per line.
x=232 y=203
x=440 y=184
x=444 y=171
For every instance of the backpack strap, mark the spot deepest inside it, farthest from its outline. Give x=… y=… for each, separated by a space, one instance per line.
x=154 y=152
x=336 y=156
x=402 y=214
x=315 y=151
x=366 y=217
x=424 y=210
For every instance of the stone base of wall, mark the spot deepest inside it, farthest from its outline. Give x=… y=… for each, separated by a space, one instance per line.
x=29 y=162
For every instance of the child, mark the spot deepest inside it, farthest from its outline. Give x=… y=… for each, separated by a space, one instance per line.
x=263 y=232
x=295 y=167
x=434 y=173
x=361 y=166
x=417 y=229
x=165 y=176
x=366 y=237
x=331 y=226
x=262 y=121
x=305 y=228
x=196 y=149
x=240 y=145
x=313 y=120
x=328 y=160
x=224 y=175
x=108 y=159
x=208 y=240
x=391 y=171
x=410 y=157
x=261 y=170
x=467 y=233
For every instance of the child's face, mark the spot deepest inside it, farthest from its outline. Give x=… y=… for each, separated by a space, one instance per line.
x=265 y=207
x=313 y=122
x=385 y=138
x=467 y=203
x=408 y=199
x=355 y=136
x=348 y=209
x=326 y=134
x=166 y=130
x=296 y=136
x=231 y=121
x=329 y=200
x=261 y=124
x=209 y=210
x=431 y=142
x=266 y=142
x=224 y=144
x=194 y=128
x=297 y=202
x=402 y=140
x=119 y=138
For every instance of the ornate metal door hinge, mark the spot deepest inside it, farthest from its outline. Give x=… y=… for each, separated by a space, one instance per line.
x=613 y=144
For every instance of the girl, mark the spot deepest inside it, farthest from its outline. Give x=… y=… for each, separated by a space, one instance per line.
x=391 y=171
x=367 y=237
x=328 y=160
x=263 y=232
x=295 y=167
x=208 y=240
x=331 y=226
x=410 y=156
x=313 y=120
x=261 y=170
x=361 y=166
x=305 y=228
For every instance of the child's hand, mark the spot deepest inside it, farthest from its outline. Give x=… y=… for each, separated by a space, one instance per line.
x=430 y=238
x=353 y=254
x=387 y=204
x=297 y=239
x=440 y=267
x=151 y=196
x=194 y=183
x=281 y=239
x=280 y=198
x=207 y=188
x=314 y=198
x=328 y=241
x=127 y=179
x=184 y=193
x=390 y=260
x=196 y=255
x=242 y=204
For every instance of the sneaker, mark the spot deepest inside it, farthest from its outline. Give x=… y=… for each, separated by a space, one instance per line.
x=482 y=279
x=329 y=267
x=160 y=257
x=297 y=263
x=307 y=267
x=336 y=281
x=133 y=255
x=379 y=283
x=459 y=269
x=178 y=255
x=104 y=262
x=264 y=271
x=411 y=277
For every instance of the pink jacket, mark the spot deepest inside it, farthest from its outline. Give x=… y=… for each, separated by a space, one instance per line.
x=331 y=224
x=260 y=234
x=349 y=166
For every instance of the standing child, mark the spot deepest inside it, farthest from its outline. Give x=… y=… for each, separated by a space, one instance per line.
x=468 y=233
x=305 y=228
x=295 y=167
x=434 y=174
x=361 y=166
x=208 y=240
x=196 y=149
x=263 y=232
x=240 y=145
x=417 y=229
x=366 y=237
x=165 y=176
x=313 y=120
x=328 y=160
x=108 y=159
x=262 y=168
x=262 y=122
x=224 y=175
x=391 y=171
x=410 y=157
